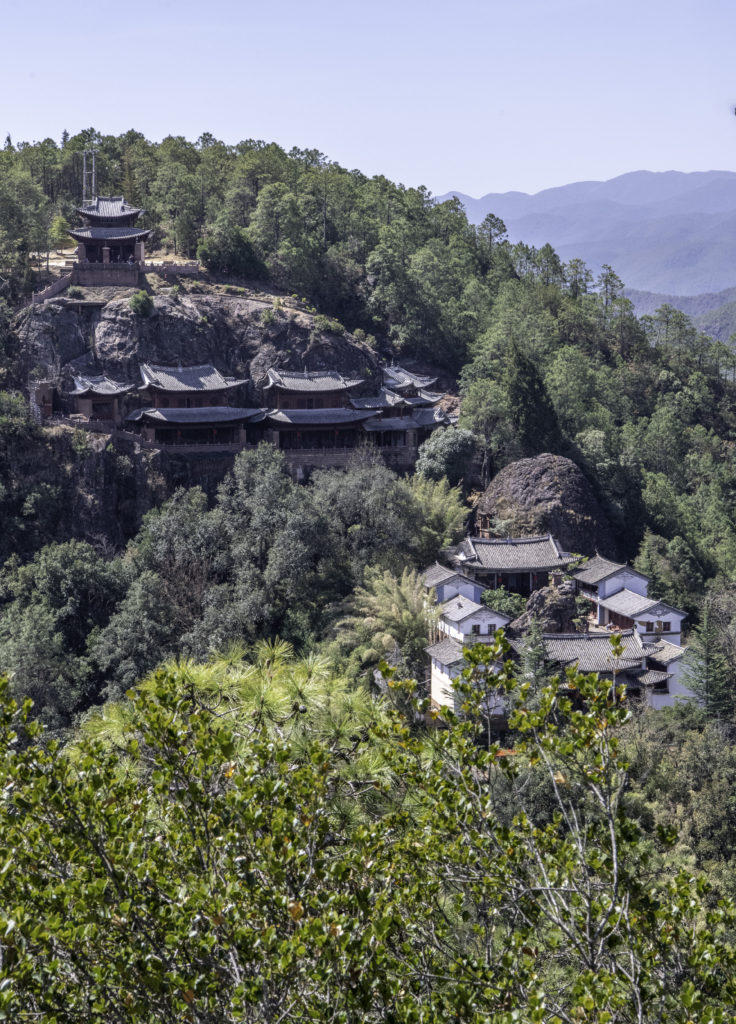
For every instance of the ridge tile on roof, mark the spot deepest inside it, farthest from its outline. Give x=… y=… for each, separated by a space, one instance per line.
x=98 y=385
x=312 y=380
x=512 y=554
x=599 y=568
x=185 y=378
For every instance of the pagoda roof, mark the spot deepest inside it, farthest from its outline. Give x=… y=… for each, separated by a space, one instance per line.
x=185 y=378
x=109 y=234
x=196 y=417
x=312 y=380
x=317 y=417
x=107 y=207
x=99 y=385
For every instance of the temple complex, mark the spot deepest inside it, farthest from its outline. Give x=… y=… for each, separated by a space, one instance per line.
x=109 y=234
x=314 y=417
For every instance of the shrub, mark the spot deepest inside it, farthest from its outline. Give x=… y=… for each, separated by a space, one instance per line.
x=141 y=303
x=74 y=292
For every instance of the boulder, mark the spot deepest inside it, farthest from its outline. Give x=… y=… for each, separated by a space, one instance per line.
x=555 y=609
x=547 y=494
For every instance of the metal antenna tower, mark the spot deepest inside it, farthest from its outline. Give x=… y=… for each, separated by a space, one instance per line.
x=90 y=175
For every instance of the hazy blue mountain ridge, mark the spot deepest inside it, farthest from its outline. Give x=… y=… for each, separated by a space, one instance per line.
x=668 y=232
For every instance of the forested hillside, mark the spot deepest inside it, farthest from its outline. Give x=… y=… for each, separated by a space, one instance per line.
x=259 y=831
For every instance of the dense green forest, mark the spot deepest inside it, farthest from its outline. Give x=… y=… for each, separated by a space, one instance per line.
x=395 y=873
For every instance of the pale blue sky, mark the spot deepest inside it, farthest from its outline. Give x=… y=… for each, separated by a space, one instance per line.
x=479 y=96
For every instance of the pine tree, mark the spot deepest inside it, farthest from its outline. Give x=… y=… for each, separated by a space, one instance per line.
x=532 y=413
x=710 y=673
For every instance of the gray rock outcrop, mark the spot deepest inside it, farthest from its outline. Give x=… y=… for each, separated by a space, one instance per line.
x=63 y=337
x=548 y=494
x=554 y=608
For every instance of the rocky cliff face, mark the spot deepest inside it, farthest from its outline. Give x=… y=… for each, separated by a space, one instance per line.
x=103 y=335
x=548 y=494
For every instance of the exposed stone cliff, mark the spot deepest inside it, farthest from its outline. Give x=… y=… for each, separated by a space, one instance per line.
x=240 y=334
x=548 y=494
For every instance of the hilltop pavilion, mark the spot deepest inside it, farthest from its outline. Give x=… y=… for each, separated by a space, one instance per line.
x=109 y=234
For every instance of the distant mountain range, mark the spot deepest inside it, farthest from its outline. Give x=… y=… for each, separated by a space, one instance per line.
x=669 y=233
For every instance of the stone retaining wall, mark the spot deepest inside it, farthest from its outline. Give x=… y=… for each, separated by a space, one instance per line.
x=55 y=288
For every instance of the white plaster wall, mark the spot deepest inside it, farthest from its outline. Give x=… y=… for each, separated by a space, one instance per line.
x=621 y=580
x=441 y=688
x=678 y=690
x=675 y=634
x=460 y=630
x=446 y=591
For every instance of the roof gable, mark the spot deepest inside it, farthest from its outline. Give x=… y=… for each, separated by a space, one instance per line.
x=437 y=574
x=598 y=568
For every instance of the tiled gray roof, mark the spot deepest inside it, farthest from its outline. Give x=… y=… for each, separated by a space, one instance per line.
x=429 y=417
x=100 y=385
x=424 y=398
x=398 y=377
x=459 y=607
x=651 y=676
x=592 y=652
x=668 y=652
x=108 y=234
x=108 y=206
x=441 y=574
x=524 y=554
x=626 y=602
x=314 y=380
x=317 y=417
x=389 y=423
x=185 y=378
x=211 y=414
x=385 y=399
x=600 y=568
x=447 y=652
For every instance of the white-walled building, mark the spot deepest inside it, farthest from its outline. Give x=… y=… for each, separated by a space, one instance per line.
x=619 y=594
x=462 y=622
x=465 y=620
x=448 y=583
x=447 y=663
